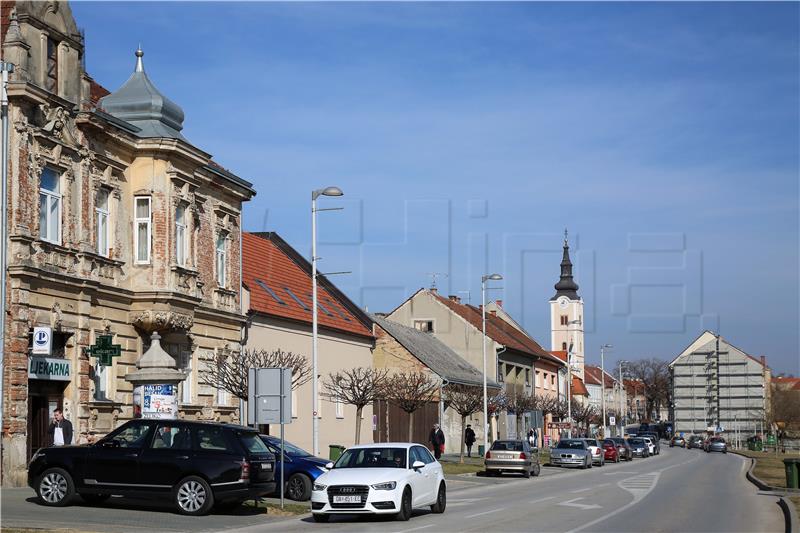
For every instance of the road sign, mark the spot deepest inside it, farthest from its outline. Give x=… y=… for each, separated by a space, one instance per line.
x=612 y=421
x=42 y=341
x=269 y=389
x=559 y=425
x=105 y=350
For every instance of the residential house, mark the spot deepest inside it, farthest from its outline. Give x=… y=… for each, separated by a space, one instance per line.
x=510 y=353
x=717 y=385
x=117 y=226
x=277 y=296
x=599 y=384
x=635 y=401
x=401 y=348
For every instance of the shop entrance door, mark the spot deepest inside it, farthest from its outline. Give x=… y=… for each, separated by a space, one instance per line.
x=44 y=397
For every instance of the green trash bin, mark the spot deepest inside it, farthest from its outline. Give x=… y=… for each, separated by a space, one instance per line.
x=481 y=450
x=758 y=445
x=792 y=473
x=335 y=451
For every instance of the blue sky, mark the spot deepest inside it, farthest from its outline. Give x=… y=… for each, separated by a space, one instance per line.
x=467 y=136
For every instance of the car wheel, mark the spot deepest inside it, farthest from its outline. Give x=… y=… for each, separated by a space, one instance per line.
x=538 y=470
x=405 y=506
x=441 y=500
x=55 y=487
x=321 y=517
x=299 y=487
x=526 y=474
x=94 y=499
x=193 y=496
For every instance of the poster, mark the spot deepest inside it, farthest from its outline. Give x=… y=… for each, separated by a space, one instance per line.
x=156 y=401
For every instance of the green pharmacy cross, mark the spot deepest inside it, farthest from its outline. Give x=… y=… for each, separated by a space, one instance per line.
x=104 y=350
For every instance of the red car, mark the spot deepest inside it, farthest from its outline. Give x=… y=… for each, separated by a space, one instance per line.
x=610 y=451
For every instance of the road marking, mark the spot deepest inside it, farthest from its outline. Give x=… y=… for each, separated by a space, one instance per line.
x=487 y=512
x=571 y=503
x=543 y=499
x=415 y=528
x=589 y=488
x=620 y=472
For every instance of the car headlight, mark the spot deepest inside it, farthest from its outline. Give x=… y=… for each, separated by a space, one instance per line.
x=389 y=485
x=319 y=486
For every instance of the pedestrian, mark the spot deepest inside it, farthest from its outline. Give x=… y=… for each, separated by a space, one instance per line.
x=436 y=439
x=531 y=438
x=60 y=430
x=469 y=439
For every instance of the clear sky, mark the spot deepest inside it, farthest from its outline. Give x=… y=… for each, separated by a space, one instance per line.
x=467 y=136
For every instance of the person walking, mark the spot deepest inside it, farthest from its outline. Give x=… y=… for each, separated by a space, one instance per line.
x=436 y=439
x=60 y=430
x=469 y=439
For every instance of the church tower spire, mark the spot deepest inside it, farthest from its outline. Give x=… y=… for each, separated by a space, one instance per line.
x=566 y=285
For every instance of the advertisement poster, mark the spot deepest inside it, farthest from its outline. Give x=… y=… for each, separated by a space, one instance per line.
x=156 y=401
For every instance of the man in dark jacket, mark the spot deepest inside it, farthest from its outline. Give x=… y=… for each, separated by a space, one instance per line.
x=436 y=439
x=60 y=430
x=469 y=439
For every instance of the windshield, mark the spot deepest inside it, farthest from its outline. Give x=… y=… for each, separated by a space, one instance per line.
x=288 y=448
x=572 y=444
x=252 y=443
x=636 y=441
x=507 y=445
x=619 y=440
x=372 y=458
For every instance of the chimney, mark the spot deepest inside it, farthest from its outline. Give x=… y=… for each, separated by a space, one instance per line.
x=434 y=290
x=764 y=361
x=499 y=303
x=456 y=299
x=493 y=312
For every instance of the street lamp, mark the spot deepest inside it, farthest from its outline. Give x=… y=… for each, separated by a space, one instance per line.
x=603 y=385
x=622 y=391
x=327 y=191
x=484 y=279
x=569 y=381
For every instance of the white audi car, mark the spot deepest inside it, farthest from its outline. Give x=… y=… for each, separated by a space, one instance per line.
x=385 y=478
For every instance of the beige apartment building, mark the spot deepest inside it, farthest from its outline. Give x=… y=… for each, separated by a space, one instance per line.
x=118 y=226
x=277 y=295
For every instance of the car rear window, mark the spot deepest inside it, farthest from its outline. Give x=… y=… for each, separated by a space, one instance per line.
x=507 y=445
x=252 y=442
x=572 y=444
x=213 y=439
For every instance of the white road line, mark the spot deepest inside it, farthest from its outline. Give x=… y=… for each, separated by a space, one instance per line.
x=590 y=488
x=415 y=528
x=487 y=512
x=543 y=499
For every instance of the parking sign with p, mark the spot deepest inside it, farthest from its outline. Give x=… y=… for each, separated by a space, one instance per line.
x=42 y=340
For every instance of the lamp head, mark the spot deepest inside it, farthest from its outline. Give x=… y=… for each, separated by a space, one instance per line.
x=492 y=277
x=327 y=191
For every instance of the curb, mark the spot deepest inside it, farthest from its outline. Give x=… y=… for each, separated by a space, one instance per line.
x=752 y=477
x=789 y=516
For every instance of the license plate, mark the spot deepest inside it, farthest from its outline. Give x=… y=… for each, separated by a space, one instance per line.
x=266 y=466
x=347 y=499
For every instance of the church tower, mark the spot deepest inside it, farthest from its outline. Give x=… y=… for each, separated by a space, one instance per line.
x=566 y=315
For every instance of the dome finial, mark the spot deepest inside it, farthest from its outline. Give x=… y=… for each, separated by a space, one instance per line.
x=565 y=237
x=139 y=63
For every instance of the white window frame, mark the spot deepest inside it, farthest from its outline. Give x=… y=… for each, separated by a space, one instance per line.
x=50 y=197
x=103 y=215
x=221 y=260
x=136 y=223
x=339 y=408
x=180 y=235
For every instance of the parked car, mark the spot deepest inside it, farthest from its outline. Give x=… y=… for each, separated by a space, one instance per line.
x=195 y=464
x=597 y=451
x=610 y=452
x=639 y=447
x=571 y=452
x=623 y=448
x=717 y=444
x=512 y=456
x=655 y=440
x=677 y=440
x=695 y=441
x=650 y=446
x=301 y=468
x=385 y=478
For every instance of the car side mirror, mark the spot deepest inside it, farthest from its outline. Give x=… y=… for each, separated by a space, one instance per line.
x=329 y=465
x=111 y=443
x=417 y=465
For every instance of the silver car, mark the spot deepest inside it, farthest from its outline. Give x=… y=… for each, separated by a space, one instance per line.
x=512 y=456
x=717 y=444
x=571 y=452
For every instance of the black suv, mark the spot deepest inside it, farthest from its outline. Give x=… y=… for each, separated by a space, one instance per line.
x=197 y=464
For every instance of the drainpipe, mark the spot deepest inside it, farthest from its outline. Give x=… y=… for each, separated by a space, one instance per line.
x=5 y=69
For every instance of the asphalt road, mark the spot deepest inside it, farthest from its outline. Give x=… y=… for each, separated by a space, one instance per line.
x=679 y=490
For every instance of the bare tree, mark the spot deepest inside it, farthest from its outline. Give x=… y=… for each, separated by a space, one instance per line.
x=495 y=403
x=785 y=409
x=519 y=402
x=583 y=414
x=466 y=401
x=229 y=372
x=357 y=386
x=655 y=376
x=411 y=391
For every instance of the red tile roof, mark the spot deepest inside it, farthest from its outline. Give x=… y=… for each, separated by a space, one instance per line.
x=787 y=383
x=592 y=376
x=96 y=91
x=560 y=354
x=270 y=264
x=578 y=388
x=634 y=387
x=498 y=329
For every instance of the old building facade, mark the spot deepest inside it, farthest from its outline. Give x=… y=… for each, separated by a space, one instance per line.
x=117 y=226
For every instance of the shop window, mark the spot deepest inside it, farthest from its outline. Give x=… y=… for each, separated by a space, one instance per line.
x=50 y=206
